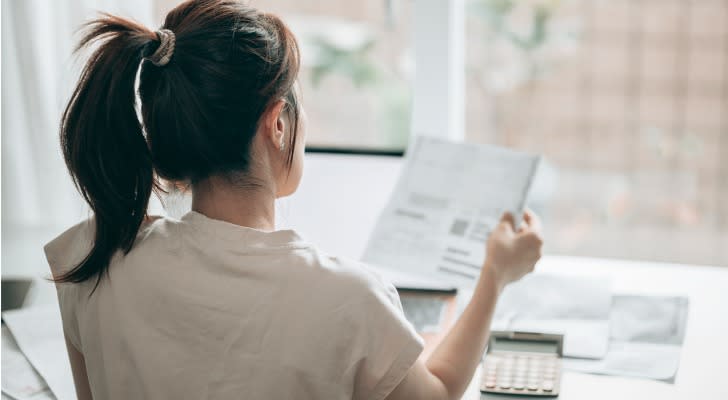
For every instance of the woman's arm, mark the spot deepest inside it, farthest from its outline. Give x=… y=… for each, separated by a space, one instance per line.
x=78 y=367
x=446 y=373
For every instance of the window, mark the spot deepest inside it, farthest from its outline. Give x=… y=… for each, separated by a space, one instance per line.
x=628 y=102
x=626 y=99
x=357 y=68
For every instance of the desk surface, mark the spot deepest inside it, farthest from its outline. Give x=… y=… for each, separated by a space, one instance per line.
x=705 y=350
x=701 y=374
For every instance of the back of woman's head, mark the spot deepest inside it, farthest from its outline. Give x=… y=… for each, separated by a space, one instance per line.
x=206 y=79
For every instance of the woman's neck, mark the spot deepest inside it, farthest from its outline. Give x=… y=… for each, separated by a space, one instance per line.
x=252 y=207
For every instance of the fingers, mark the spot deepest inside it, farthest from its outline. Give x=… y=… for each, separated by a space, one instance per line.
x=530 y=231
x=532 y=221
x=508 y=221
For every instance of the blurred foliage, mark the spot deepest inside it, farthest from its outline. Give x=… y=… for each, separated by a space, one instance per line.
x=354 y=64
x=497 y=12
x=360 y=67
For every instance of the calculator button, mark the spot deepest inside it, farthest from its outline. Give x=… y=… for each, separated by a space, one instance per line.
x=490 y=384
x=547 y=386
x=518 y=385
x=532 y=386
x=504 y=385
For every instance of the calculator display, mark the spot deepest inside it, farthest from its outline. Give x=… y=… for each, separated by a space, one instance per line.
x=532 y=346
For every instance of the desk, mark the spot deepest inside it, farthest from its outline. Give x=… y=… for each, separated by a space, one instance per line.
x=702 y=372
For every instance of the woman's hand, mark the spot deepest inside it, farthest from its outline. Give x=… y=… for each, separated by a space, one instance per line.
x=448 y=370
x=512 y=253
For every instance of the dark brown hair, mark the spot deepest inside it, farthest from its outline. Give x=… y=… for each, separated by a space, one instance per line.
x=200 y=111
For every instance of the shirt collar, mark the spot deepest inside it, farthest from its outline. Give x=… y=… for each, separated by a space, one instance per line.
x=244 y=236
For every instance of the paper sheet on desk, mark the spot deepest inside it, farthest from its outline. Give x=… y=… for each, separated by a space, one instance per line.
x=646 y=337
x=405 y=280
x=445 y=204
x=19 y=380
x=576 y=307
x=38 y=332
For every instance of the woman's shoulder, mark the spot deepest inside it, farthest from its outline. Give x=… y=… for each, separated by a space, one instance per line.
x=352 y=279
x=72 y=246
x=69 y=248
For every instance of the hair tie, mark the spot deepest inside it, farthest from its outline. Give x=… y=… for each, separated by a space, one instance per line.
x=165 y=50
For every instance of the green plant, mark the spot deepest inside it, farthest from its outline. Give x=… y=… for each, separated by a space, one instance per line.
x=358 y=65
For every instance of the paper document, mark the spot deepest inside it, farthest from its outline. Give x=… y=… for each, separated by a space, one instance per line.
x=406 y=280
x=19 y=380
x=38 y=332
x=576 y=307
x=445 y=204
x=646 y=338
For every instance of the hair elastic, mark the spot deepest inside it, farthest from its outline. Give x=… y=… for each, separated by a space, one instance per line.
x=165 y=50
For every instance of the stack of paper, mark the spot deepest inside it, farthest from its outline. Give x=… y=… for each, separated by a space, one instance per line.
x=575 y=307
x=646 y=337
x=20 y=380
x=35 y=361
x=625 y=335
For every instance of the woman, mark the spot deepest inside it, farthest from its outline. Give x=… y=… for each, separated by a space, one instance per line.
x=218 y=304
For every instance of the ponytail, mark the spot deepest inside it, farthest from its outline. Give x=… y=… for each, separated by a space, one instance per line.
x=103 y=142
x=211 y=73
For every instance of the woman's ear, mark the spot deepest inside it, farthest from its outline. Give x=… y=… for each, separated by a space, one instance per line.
x=274 y=125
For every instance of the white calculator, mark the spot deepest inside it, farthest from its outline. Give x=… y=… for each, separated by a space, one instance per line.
x=523 y=363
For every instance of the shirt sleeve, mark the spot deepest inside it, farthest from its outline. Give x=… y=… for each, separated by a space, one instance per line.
x=385 y=343
x=63 y=254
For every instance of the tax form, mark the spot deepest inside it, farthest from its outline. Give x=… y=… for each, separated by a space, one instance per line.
x=448 y=199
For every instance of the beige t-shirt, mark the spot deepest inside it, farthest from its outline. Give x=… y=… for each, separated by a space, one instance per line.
x=204 y=309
